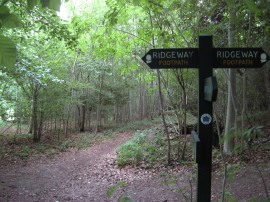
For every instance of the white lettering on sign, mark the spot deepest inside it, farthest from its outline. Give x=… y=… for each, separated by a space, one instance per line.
x=237 y=54
x=172 y=54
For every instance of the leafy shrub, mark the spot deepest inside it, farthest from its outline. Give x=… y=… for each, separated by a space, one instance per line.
x=247 y=137
x=131 y=152
x=251 y=133
x=138 y=150
x=25 y=152
x=63 y=146
x=85 y=140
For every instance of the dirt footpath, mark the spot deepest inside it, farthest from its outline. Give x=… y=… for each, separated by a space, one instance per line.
x=86 y=175
x=83 y=175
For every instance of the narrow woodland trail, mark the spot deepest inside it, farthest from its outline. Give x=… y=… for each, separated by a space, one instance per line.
x=86 y=175
x=83 y=175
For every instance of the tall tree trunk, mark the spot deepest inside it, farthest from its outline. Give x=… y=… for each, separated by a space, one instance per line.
x=78 y=125
x=36 y=137
x=40 y=126
x=82 y=124
x=67 y=120
x=182 y=124
x=99 y=103
x=185 y=123
x=19 y=116
x=244 y=89
x=142 y=100
x=164 y=121
x=231 y=116
x=161 y=103
x=30 y=127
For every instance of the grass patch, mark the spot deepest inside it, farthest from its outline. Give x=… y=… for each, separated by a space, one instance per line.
x=148 y=149
x=139 y=150
x=21 y=146
x=25 y=152
x=131 y=152
x=84 y=140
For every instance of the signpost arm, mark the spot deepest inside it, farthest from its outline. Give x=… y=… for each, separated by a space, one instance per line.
x=205 y=128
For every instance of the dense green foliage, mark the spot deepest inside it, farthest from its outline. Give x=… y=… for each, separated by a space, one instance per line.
x=132 y=152
x=71 y=73
x=83 y=72
x=11 y=16
x=147 y=149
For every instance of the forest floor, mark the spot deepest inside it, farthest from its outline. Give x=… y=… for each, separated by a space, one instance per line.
x=88 y=174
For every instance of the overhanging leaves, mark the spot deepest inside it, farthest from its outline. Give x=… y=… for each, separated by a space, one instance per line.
x=7 y=52
x=4 y=10
x=31 y=4
x=7 y=19
x=51 y=4
x=10 y=21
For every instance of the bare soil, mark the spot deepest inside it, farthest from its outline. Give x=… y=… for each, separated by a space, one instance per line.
x=86 y=175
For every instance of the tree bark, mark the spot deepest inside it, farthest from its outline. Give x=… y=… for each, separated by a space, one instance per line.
x=231 y=121
x=82 y=128
x=67 y=120
x=164 y=122
x=99 y=103
x=40 y=126
x=231 y=114
x=161 y=103
x=30 y=128
x=36 y=137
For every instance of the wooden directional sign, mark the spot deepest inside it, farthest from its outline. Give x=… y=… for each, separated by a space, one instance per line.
x=205 y=58
x=239 y=57
x=222 y=58
x=171 y=58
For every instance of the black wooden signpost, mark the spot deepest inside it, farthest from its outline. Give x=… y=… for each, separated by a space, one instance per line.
x=205 y=58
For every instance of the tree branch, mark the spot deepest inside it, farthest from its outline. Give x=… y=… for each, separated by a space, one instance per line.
x=123 y=31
